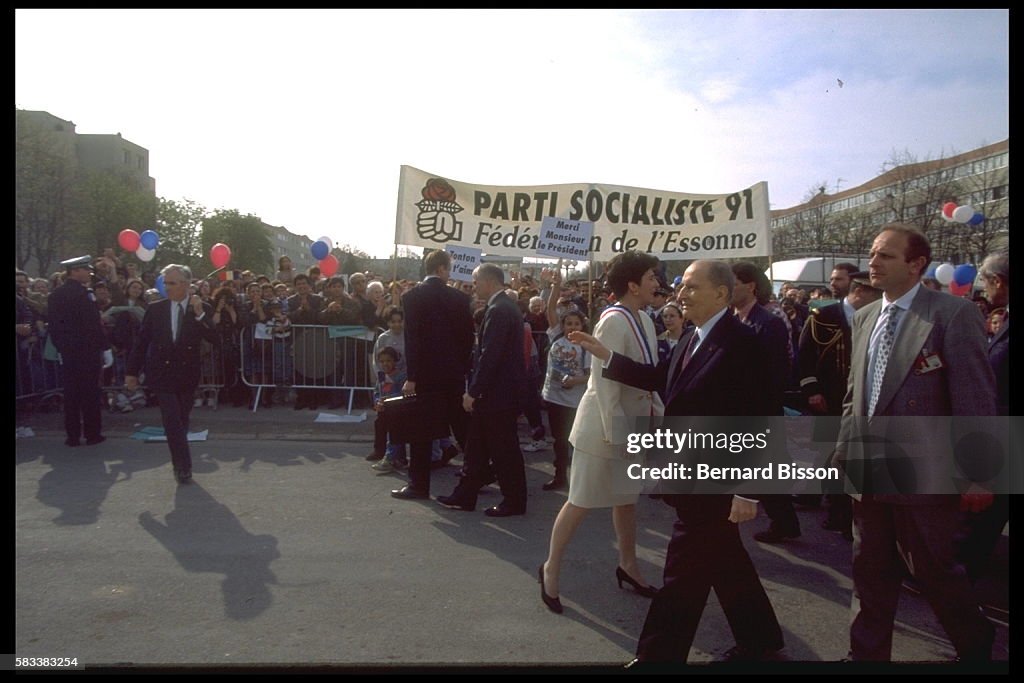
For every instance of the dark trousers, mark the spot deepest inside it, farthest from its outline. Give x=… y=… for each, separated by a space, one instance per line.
x=492 y=450
x=981 y=532
x=561 y=418
x=420 y=452
x=533 y=403
x=889 y=537
x=779 y=508
x=175 y=409
x=706 y=552
x=82 y=397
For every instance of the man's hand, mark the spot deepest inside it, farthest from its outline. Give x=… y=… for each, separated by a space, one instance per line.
x=742 y=510
x=590 y=344
x=409 y=388
x=131 y=383
x=197 y=304
x=818 y=404
x=467 y=403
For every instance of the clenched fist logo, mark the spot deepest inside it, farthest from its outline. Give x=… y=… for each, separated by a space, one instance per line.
x=436 y=220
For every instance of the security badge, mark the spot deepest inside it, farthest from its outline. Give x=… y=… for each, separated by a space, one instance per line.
x=928 y=362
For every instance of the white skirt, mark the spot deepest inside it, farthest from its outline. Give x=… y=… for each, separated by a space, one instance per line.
x=596 y=482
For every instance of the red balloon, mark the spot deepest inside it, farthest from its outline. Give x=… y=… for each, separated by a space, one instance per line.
x=220 y=254
x=329 y=265
x=128 y=239
x=960 y=290
x=948 y=208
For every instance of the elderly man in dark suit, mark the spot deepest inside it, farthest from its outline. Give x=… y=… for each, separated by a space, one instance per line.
x=438 y=349
x=77 y=332
x=917 y=353
x=493 y=399
x=167 y=347
x=717 y=369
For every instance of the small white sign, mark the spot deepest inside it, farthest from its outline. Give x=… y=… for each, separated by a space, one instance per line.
x=565 y=239
x=464 y=262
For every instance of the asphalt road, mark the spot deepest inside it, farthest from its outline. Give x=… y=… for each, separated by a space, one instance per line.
x=287 y=551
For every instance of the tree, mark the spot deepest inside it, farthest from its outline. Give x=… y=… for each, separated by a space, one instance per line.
x=109 y=202
x=180 y=227
x=250 y=246
x=351 y=259
x=44 y=194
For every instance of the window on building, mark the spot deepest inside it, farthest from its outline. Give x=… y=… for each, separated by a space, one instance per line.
x=127 y=158
x=999 y=192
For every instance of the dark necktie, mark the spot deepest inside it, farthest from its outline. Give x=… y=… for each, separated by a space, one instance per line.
x=687 y=355
x=181 y=321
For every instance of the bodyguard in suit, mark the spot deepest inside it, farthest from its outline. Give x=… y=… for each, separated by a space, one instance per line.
x=716 y=369
x=916 y=353
x=438 y=350
x=77 y=332
x=496 y=393
x=167 y=347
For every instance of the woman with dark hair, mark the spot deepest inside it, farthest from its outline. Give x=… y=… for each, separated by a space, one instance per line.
x=285 y=272
x=601 y=427
x=672 y=316
x=228 y=321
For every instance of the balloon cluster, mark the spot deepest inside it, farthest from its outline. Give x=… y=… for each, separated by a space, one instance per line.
x=961 y=214
x=959 y=279
x=321 y=251
x=143 y=245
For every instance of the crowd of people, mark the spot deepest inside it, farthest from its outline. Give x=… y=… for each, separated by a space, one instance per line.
x=589 y=355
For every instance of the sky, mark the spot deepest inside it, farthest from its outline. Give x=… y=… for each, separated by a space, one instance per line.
x=304 y=117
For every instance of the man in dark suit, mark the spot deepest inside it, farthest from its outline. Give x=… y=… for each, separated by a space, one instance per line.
x=752 y=286
x=495 y=395
x=438 y=349
x=77 y=332
x=823 y=366
x=716 y=369
x=167 y=347
x=917 y=353
x=304 y=308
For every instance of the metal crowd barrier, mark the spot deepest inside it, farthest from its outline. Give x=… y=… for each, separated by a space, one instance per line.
x=311 y=357
x=36 y=378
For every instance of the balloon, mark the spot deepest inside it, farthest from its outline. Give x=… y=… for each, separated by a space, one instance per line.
x=144 y=254
x=964 y=274
x=320 y=250
x=931 y=270
x=678 y=280
x=220 y=254
x=960 y=290
x=327 y=240
x=976 y=219
x=160 y=286
x=947 y=210
x=149 y=239
x=963 y=213
x=944 y=274
x=128 y=239
x=329 y=265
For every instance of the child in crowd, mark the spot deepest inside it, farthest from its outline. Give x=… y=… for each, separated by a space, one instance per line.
x=280 y=328
x=389 y=384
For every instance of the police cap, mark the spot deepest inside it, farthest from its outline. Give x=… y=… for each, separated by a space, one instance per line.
x=78 y=262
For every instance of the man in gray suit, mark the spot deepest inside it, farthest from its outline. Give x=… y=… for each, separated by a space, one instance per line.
x=916 y=353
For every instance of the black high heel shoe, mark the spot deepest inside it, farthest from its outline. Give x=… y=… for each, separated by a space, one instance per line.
x=646 y=591
x=554 y=604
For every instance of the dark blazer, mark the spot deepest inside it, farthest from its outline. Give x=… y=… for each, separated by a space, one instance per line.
x=499 y=371
x=171 y=367
x=823 y=358
x=723 y=378
x=773 y=336
x=74 y=322
x=999 y=359
x=438 y=336
x=310 y=317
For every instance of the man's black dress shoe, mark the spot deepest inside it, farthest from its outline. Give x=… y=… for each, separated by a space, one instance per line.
x=183 y=476
x=502 y=510
x=771 y=535
x=71 y=443
x=456 y=503
x=93 y=442
x=409 y=493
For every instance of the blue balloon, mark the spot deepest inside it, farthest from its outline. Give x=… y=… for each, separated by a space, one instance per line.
x=964 y=274
x=160 y=286
x=678 y=280
x=149 y=239
x=319 y=250
x=976 y=219
x=931 y=270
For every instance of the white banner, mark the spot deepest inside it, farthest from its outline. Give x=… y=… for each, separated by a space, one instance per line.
x=464 y=262
x=506 y=220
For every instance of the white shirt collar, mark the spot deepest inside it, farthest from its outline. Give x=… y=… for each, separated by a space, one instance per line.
x=904 y=301
x=704 y=330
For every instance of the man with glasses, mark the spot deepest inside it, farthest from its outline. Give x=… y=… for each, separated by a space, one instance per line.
x=168 y=346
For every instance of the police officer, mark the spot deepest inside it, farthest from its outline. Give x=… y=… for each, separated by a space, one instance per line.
x=78 y=335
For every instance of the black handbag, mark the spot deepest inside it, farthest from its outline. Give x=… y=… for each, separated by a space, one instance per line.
x=415 y=418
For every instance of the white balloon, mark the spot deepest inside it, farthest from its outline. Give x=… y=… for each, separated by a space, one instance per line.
x=944 y=274
x=964 y=213
x=330 y=245
x=144 y=254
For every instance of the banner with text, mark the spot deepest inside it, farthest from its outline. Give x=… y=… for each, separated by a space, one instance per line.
x=437 y=212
